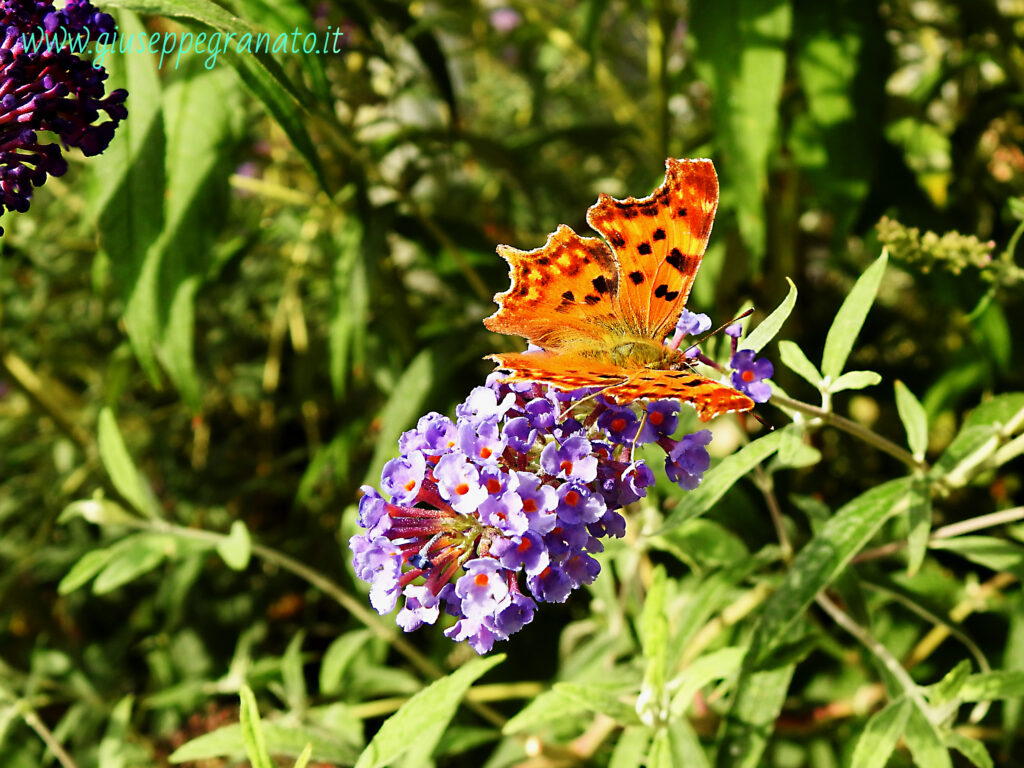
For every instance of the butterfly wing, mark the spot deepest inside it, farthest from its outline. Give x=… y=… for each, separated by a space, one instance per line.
x=659 y=242
x=624 y=385
x=561 y=294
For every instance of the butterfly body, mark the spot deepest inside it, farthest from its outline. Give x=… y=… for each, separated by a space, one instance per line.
x=600 y=309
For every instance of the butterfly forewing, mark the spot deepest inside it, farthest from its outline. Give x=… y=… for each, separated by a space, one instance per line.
x=659 y=242
x=559 y=292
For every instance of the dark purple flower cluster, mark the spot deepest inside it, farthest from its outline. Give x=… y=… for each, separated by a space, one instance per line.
x=506 y=505
x=46 y=87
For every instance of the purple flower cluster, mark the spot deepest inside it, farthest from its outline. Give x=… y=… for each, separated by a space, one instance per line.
x=46 y=87
x=487 y=515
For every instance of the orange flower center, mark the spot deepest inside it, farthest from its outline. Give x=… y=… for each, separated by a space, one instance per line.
x=656 y=417
x=618 y=424
x=410 y=485
x=566 y=466
x=480 y=579
x=485 y=452
x=493 y=486
x=529 y=505
x=524 y=545
x=572 y=498
x=462 y=489
x=747 y=375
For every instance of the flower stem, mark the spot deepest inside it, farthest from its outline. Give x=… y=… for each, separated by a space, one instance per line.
x=853 y=428
x=33 y=721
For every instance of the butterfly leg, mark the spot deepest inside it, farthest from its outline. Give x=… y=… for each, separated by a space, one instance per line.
x=639 y=429
x=569 y=410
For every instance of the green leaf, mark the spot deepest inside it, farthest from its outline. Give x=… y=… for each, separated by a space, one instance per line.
x=716 y=665
x=81 y=573
x=702 y=543
x=252 y=733
x=404 y=405
x=988 y=551
x=794 y=451
x=631 y=748
x=881 y=735
x=348 y=329
x=970 y=748
x=134 y=556
x=850 y=318
x=236 y=548
x=791 y=356
x=949 y=687
x=130 y=195
x=303 y=759
x=822 y=560
x=286 y=740
x=98 y=512
x=769 y=328
x=123 y=474
x=418 y=724
x=914 y=418
x=548 y=707
x=338 y=657
x=855 y=380
x=919 y=521
x=1017 y=207
x=292 y=675
x=603 y=699
x=751 y=719
x=654 y=637
x=741 y=54
x=721 y=478
x=259 y=71
x=989 y=686
x=925 y=742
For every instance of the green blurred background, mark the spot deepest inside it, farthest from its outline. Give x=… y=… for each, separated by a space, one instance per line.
x=276 y=290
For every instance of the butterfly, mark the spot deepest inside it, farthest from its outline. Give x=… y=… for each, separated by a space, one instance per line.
x=601 y=309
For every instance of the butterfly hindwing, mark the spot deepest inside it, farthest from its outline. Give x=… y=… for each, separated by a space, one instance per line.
x=624 y=385
x=659 y=242
x=561 y=291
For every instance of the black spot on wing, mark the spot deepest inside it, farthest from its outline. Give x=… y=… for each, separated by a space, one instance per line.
x=659 y=234
x=636 y=277
x=676 y=259
x=681 y=212
x=644 y=248
x=600 y=284
x=592 y=299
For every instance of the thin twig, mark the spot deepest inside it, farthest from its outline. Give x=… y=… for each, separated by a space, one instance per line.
x=33 y=721
x=880 y=651
x=767 y=486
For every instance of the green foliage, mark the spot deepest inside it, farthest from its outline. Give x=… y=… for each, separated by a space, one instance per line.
x=212 y=334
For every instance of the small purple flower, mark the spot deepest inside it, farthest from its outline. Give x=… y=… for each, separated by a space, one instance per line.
x=662 y=420
x=379 y=562
x=578 y=504
x=519 y=435
x=483 y=589
x=693 y=323
x=551 y=585
x=541 y=412
x=483 y=404
x=516 y=615
x=539 y=502
x=483 y=441
x=573 y=460
x=528 y=553
x=635 y=480
x=402 y=477
x=421 y=607
x=505 y=512
x=749 y=373
x=48 y=89
x=735 y=330
x=476 y=632
x=504 y=20
x=620 y=423
x=459 y=483
x=434 y=435
x=689 y=460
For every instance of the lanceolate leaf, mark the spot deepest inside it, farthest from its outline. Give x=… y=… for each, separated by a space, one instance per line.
x=818 y=563
x=420 y=722
x=758 y=700
x=769 y=328
x=794 y=358
x=883 y=731
x=851 y=317
x=914 y=418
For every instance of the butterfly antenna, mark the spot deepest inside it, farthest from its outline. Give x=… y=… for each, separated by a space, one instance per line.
x=639 y=429
x=722 y=327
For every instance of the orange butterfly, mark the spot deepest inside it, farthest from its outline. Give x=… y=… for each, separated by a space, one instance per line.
x=600 y=314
